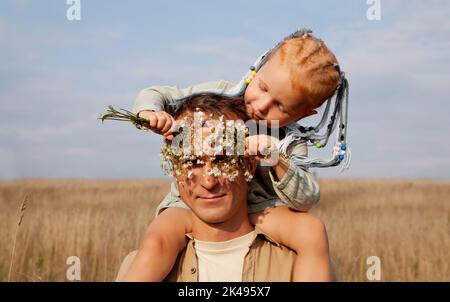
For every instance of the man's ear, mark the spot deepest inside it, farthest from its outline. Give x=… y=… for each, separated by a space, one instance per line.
x=253 y=164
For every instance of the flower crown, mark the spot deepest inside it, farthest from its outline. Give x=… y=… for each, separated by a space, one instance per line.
x=221 y=143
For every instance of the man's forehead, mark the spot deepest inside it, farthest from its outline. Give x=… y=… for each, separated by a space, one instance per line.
x=205 y=124
x=226 y=114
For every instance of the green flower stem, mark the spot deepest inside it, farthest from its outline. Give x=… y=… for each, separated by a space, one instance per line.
x=124 y=115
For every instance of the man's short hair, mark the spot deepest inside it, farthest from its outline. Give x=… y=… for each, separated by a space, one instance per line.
x=212 y=103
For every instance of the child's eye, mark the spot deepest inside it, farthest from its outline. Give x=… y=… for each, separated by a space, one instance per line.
x=263 y=87
x=281 y=107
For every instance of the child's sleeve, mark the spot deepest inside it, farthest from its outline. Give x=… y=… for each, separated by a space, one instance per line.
x=155 y=98
x=298 y=187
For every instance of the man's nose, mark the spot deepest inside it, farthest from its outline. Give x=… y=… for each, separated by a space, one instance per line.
x=208 y=181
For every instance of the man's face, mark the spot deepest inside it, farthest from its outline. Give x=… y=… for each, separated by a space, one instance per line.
x=213 y=199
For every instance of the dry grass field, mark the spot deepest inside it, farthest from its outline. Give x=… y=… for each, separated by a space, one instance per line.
x=405 y=223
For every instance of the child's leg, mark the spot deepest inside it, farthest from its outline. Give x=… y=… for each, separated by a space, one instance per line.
x=164 y=240
x=303 y=233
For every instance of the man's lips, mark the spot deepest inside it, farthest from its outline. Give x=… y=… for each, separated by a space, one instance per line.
x=212 y=197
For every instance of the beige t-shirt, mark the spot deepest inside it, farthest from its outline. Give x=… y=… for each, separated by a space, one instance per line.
x=222 y=261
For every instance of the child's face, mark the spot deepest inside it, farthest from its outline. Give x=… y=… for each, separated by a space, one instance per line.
x=270 y=95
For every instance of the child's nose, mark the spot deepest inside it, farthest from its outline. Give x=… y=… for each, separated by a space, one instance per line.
x=264 y=105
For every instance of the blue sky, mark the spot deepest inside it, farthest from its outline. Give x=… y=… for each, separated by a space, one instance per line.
x=57 y=76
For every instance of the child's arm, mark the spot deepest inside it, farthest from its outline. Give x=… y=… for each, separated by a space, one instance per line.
x=154 y=98
x=295 y=186
x=303 y=233
x=163 y=242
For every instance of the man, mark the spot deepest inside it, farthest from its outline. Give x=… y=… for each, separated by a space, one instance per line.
x=223 y=245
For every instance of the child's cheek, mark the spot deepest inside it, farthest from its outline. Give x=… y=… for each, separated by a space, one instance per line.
x=283 y=121
x=250 y=93
x=247 y=95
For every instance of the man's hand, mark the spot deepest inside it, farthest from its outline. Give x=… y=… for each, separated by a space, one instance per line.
x=159 y=122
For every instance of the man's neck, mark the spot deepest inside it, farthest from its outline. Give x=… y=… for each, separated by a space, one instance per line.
x=236 y=227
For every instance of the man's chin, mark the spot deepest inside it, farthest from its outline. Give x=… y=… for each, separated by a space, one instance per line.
x=214 y=216
x=213 y=219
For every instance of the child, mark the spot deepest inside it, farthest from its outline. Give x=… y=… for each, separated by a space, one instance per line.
x=292 y=81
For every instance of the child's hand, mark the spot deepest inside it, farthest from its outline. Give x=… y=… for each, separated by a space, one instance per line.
x=261 y=146
x=159 y=122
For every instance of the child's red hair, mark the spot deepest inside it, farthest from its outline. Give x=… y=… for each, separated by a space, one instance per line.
x=312 y=68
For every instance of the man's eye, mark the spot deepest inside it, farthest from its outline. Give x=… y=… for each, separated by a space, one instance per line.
x=189 y=162
x=220 y=158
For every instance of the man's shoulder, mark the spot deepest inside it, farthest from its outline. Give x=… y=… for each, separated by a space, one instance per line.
x=268 y=261
x=126 y=263
x=185 y=268
x=263 y=240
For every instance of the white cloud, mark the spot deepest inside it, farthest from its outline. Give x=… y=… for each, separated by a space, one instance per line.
x=437 y=83
x=21 y=4
x=37 y=134
x=8 y=163
x=80 y=152
x=407 y=46
x=235 y=50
